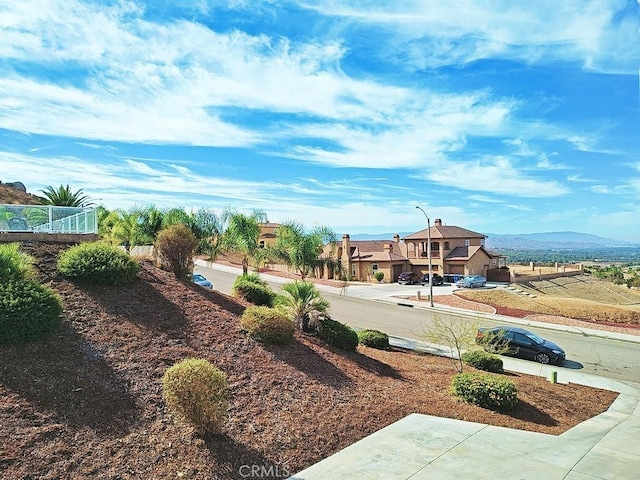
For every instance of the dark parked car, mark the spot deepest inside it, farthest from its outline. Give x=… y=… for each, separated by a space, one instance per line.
x=202 y=281
x=437 y=279
x=518 y=342
x=408 y=278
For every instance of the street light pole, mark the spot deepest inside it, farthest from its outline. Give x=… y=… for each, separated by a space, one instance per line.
x=429 y=256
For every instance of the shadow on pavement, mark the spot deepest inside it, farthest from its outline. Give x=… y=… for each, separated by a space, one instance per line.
x=572 y=365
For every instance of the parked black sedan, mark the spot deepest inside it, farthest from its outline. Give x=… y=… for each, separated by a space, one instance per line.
x=408 y=278
x=437 y=279
x=518 y=342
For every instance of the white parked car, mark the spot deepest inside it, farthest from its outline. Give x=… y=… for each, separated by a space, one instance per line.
x=472 y=281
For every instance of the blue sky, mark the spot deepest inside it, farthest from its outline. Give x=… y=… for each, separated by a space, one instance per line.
x=499 y=116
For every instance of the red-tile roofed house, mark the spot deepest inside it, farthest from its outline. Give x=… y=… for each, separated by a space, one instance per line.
x=360 y=259
x=454 y=250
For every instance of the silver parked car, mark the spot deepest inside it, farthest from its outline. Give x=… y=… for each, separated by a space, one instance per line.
x=202 y=281
x=472 y=281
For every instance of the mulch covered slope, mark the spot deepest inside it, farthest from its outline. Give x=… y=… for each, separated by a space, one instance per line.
x=87 y=403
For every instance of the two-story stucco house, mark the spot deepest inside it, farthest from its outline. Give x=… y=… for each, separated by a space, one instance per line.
x=454 y=251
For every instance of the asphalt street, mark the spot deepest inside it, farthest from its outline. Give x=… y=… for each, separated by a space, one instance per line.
x=357 y=307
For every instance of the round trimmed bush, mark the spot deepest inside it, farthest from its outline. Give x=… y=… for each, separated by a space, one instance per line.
x=374 y=339
x=486 y=391
x=196 y=392
x=98 y=263
x=253 y=289
x=28 y=311
x=482 y=360
x=269 y=325
x=338 y=335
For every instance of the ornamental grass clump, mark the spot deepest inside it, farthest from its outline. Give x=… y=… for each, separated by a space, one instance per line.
x=486 y=391
x=268 y=325
x=196 y=392
x=15 y=264
x=98 y=263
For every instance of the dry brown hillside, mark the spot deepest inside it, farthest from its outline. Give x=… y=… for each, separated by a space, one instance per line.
x=10 y=195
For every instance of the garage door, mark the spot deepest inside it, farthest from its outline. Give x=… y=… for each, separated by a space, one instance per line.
x=397 y=270
x=456 y=269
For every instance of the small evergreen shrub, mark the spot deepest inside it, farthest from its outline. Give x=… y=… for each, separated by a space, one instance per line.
x=253 y=289
x=174 y=247
x=269 y=325
x=15 y=264
x=379 y=276
x=196 y=392
x=374 y=339
x=338 y=335
x=98 y=263
x=482 y=360
x=486 y=391
x=28 y=311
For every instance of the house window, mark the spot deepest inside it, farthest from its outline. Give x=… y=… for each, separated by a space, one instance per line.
x=467 y=242
x=435 y=246
x=482 y=242
x=374 y=267
x=353 y=269
x=446 y=246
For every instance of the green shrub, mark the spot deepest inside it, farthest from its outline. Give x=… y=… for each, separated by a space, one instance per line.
x=253 y=289
x=269 y=325
x=174 y=247
x=196 y=392
x=379 y=276
x=14 y=264
x=482 y=360
x=28 y=311
x=487 y=391
x=338 y=334
x=374 y=339
x=98 y=263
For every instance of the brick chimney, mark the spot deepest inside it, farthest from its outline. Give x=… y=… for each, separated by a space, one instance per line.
x=387 y=246
x=438 y=222
x=396 y=238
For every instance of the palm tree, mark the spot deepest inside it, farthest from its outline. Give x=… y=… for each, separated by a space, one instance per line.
x=64 y=197
x=208 y=227
x=305 y=304
x=242 y=233
x=299 y=249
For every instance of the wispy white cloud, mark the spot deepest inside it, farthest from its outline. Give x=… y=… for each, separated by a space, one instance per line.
x=603 y=36
x=496 y=175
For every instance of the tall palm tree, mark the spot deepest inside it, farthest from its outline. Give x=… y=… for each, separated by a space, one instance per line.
x=64 y=197
x=242 y=234
x=300 y=249
x=305 y=304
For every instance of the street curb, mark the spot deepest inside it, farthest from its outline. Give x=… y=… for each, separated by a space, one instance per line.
x=586 y=332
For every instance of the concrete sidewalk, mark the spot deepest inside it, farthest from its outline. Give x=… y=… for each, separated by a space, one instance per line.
x=426 y=447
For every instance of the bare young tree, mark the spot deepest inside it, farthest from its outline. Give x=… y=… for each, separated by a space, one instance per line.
x=455 y=334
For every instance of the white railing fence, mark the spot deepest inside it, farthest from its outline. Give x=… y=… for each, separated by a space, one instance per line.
x=48 y=219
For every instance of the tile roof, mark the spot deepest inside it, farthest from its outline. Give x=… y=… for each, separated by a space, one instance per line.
x=373 y=250
x=444 y=231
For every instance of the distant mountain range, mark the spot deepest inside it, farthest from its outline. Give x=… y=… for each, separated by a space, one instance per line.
x=529 y=241
x=553 y=240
